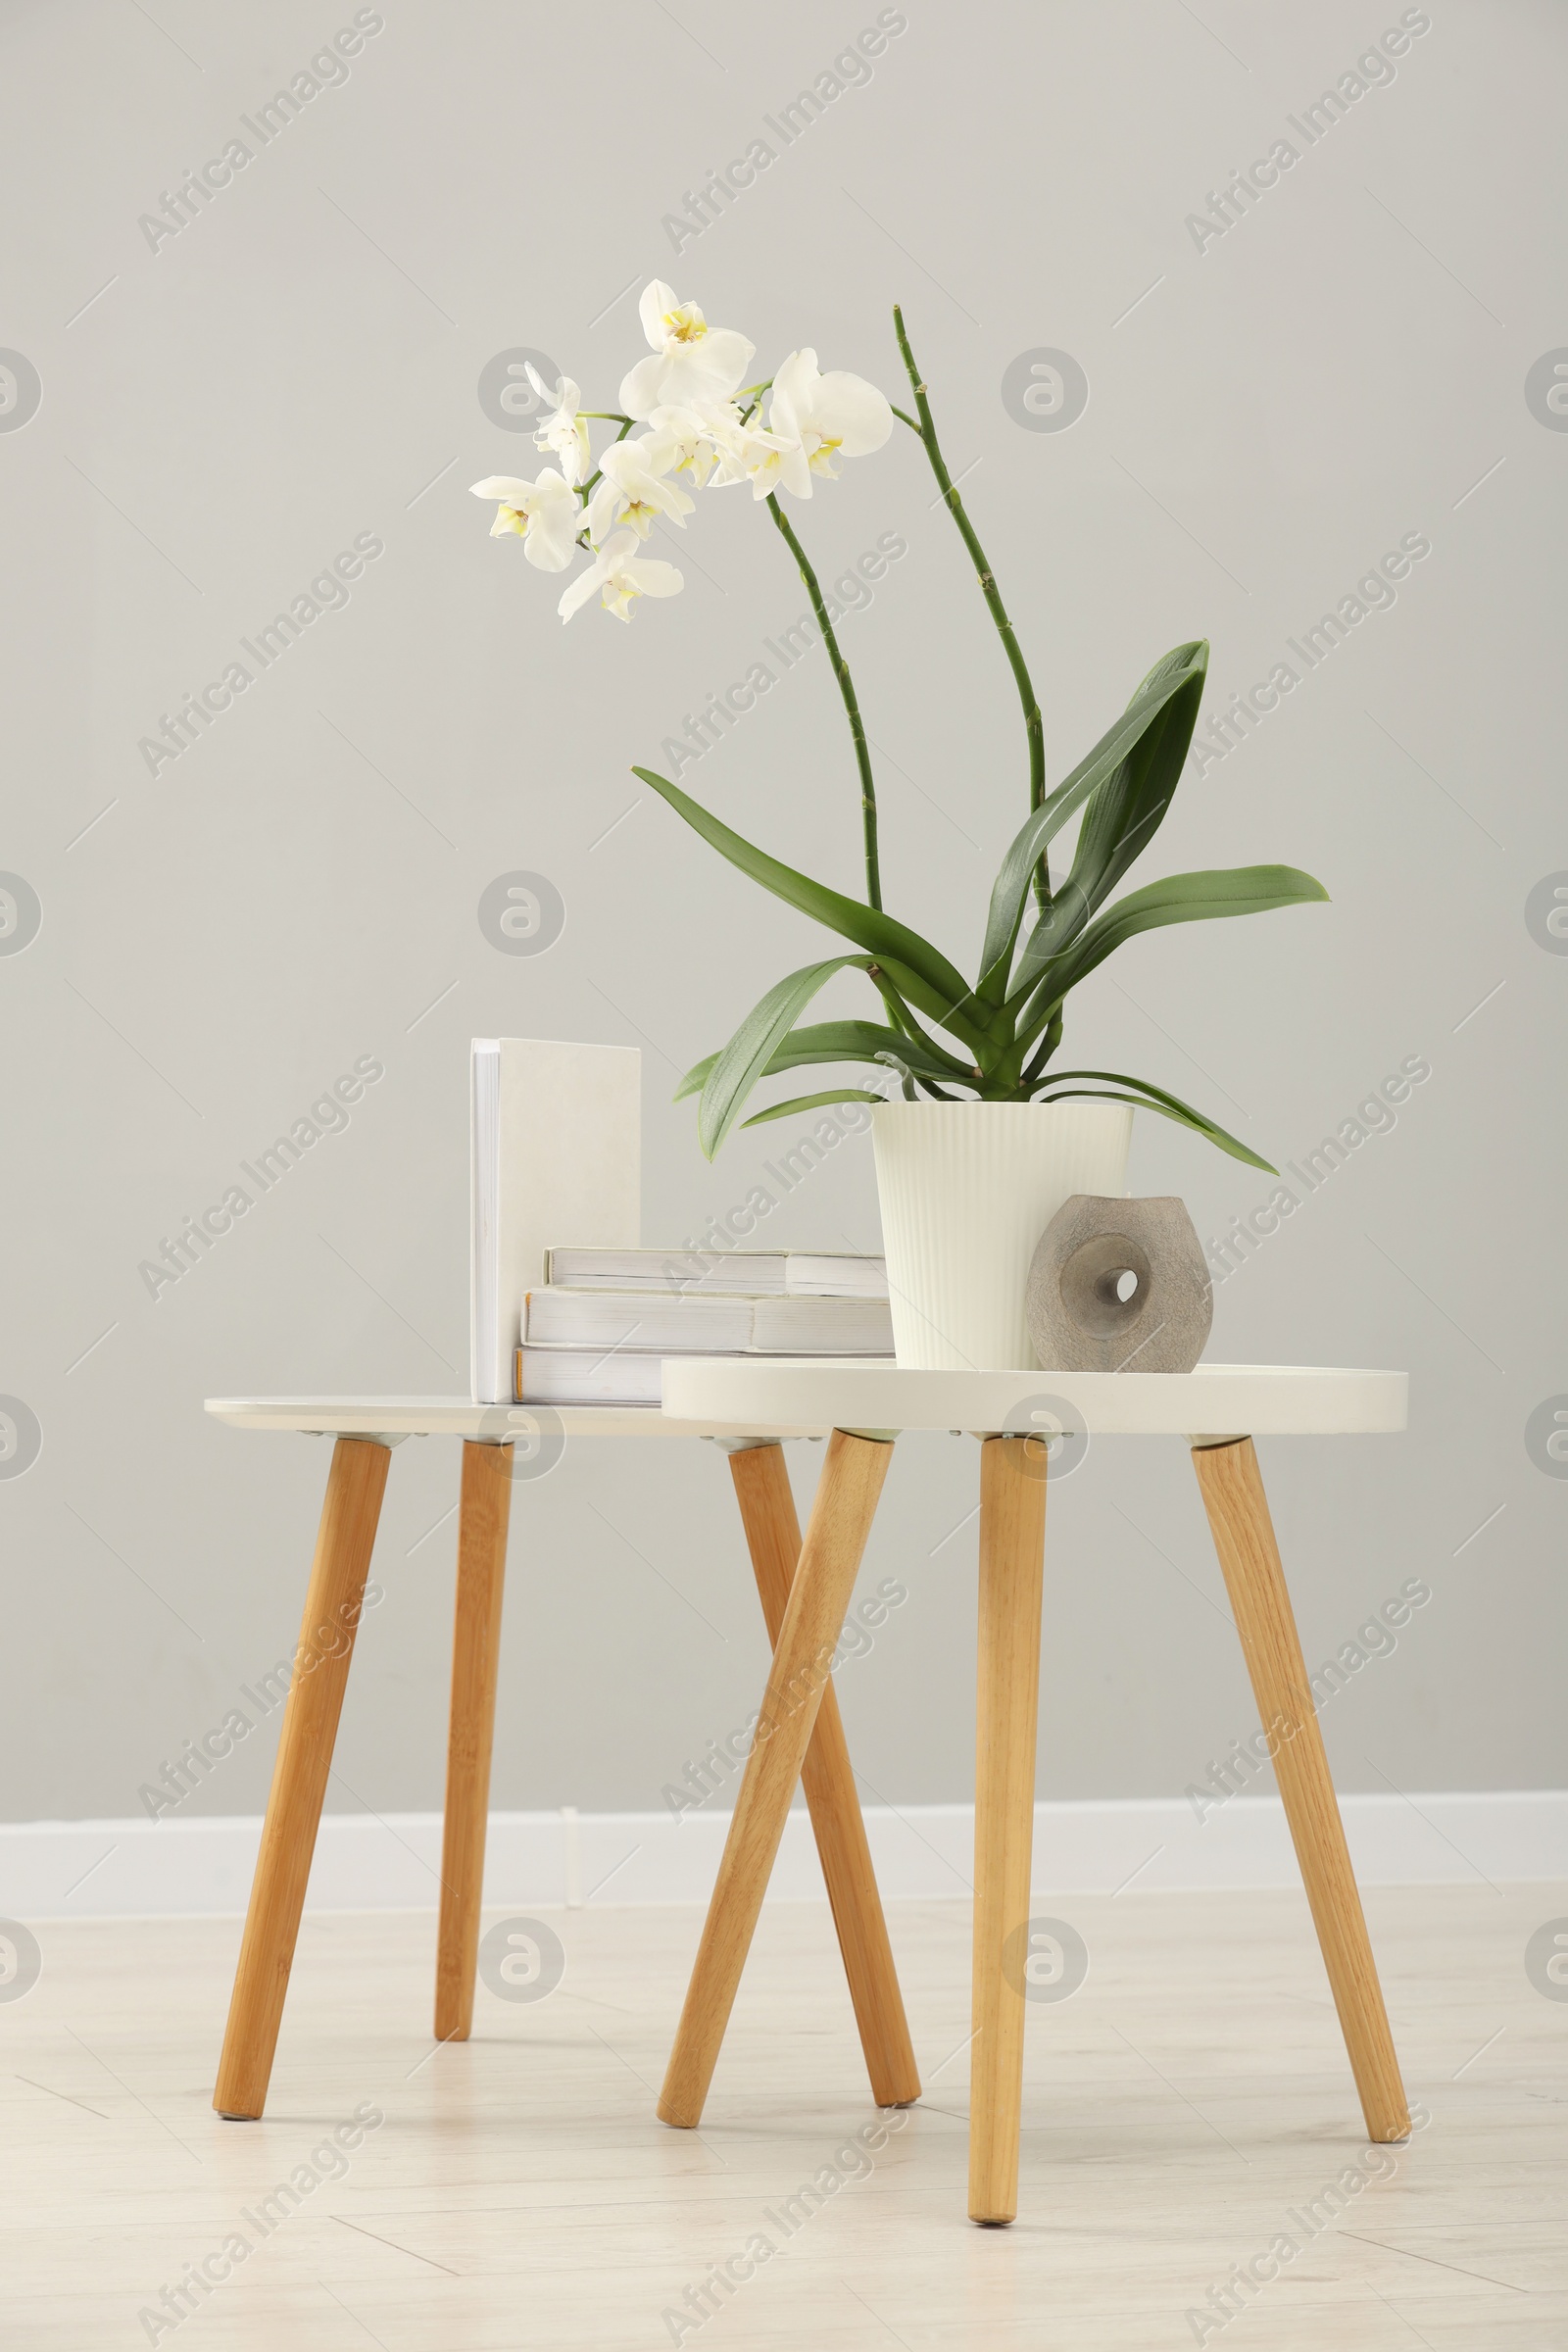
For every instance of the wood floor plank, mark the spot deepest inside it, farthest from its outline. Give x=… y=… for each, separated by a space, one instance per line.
x=519 y=2189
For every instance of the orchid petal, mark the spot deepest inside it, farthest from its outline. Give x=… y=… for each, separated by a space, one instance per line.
x=563 y=395
x=656 y=299
x=642 y=388
x=551 y=538
x=655 y=578
x=576 y=596
x=853 y=413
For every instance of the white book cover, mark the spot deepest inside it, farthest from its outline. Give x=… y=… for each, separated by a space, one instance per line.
x=752 y=1273
x=555 y=1157
x=587 y=1376
x=722 y=1324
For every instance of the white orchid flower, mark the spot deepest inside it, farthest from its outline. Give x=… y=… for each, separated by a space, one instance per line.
x=622 y=576
x=545 y=515
x=633 y=492
x=695 y=436
x=771 y=459
x=740 y=450
x=830 y=417
x=692 y=362
x=564 y=432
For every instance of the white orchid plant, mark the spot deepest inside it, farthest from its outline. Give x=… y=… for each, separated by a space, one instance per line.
x=995 y=1041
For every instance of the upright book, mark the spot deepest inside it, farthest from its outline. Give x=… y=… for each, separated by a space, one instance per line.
x=555 y=1153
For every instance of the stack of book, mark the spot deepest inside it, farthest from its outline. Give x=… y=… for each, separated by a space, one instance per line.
x=597 y=1330
x=556 y=1149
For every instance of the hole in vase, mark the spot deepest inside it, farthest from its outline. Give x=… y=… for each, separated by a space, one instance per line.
x=1105 y=1284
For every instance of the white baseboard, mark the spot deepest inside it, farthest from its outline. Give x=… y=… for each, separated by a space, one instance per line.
x=201 y=1866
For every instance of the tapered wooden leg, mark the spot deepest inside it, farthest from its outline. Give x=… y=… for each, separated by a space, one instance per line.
x=1243 y=1537
x=841 y=1520
x=475 y=1655
x=774 y=1537
x=1012 y=1531
x=355 y=1486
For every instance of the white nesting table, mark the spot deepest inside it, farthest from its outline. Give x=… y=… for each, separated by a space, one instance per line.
x=1219 y=1408
x=500 y=1445
x=393 y=1418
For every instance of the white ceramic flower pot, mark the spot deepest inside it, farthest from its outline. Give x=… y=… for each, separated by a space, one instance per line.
x=966 y=1190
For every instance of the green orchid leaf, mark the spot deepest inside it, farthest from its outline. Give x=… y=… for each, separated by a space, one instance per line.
x=741 y=1063
x=905 y=1076
x=920 y=971
x=1142 y=1087
x=1169 y=1108
x=859 y=1040
x=894 y=979
x=1181 y=671
x=1123 y=819
x=910 y=1084
x=1126 y=809
x=1178 y=899
x=836 y=1041
x=1051 y=1039
x=783 y=1110
x=911 y=1092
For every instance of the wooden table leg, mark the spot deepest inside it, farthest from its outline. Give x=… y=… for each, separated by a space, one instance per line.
x=1012 y=1532
x=344 y=1541
x=1233 y=1493
x=475 y=1655
x=774 y=1537
x=841 y=1521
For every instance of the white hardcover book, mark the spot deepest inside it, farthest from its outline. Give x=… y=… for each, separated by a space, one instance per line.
x=556 y=1149
x=749 y=1273
x=725 y=1323
x=587 y=1376
x=822 y=1325
x=641 y=1320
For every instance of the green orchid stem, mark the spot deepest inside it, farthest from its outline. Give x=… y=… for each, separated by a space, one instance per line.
x=610 y=416
x=1032 y=726
x=585 y=489
x=841 y=670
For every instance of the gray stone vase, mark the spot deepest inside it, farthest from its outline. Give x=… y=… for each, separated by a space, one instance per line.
x=1078 y=1319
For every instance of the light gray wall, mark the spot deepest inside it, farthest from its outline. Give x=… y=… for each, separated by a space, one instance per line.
x=1266 y=417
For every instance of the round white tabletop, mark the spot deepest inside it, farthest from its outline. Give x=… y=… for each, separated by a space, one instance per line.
x=461 y=1417
x=1217 y=1400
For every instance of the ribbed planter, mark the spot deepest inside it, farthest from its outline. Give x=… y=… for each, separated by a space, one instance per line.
x=966 y=1190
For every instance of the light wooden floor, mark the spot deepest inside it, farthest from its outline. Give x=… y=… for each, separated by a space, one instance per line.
x=519 y=2192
